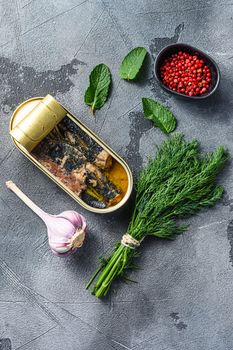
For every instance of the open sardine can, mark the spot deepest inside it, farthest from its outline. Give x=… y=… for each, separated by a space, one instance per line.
x=71 y=155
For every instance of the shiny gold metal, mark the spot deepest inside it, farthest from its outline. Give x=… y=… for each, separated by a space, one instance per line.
x=25 y=138
x=38 y=123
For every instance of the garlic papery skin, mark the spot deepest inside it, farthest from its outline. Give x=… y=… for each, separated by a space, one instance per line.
x=66 y=231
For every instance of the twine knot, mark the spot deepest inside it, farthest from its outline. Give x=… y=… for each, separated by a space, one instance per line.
x=130 y=242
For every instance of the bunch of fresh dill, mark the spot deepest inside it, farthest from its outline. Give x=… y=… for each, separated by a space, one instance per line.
x=178 y=182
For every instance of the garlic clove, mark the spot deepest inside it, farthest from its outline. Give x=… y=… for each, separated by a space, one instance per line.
x=63 y=253
x=77 y=219
x=61 y=249
x=60 y=230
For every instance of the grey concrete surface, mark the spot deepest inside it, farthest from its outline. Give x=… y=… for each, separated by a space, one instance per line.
x=183 y=299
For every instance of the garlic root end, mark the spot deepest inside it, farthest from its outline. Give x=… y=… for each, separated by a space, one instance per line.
x=78 y=238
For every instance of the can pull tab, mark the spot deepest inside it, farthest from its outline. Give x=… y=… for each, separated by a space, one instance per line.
x=38 y=123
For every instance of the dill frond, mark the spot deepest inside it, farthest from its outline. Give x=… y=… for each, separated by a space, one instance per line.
x=177 y=183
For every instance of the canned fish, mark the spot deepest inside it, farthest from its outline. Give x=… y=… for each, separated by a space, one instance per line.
x=70 y=154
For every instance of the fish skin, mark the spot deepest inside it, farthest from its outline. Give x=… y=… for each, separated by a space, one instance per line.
x=69 y=160
x=90 y=148
x=93 y=202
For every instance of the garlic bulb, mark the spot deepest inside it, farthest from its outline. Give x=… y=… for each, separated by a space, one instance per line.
x=66 y=231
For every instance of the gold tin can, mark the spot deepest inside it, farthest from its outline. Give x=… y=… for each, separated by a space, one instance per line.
x=38 y=122
x=33 y=120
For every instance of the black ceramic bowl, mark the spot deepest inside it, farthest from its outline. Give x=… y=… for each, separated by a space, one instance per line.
x=167 y=51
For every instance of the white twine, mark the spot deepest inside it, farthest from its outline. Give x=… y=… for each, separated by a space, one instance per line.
x=130 y=242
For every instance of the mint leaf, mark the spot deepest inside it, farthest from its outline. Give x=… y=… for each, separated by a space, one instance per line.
x=160 y=115
x=98 y=89
x=132 y=63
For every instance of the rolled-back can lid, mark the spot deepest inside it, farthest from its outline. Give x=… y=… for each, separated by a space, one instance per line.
x=38 y=123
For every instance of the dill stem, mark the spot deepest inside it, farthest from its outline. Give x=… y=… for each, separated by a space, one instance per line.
x=101 y=291
x=108 y=267
x=94 y=276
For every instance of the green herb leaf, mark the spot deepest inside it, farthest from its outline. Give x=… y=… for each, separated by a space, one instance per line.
x=98 y=89
x=132 y=63
x=160 y=115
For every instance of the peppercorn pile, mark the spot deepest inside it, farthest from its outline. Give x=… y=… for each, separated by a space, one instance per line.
x=186 y=74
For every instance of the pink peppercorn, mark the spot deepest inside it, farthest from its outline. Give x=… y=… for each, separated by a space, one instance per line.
x=186 y=74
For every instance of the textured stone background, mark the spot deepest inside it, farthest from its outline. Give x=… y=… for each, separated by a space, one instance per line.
x=184 y=296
